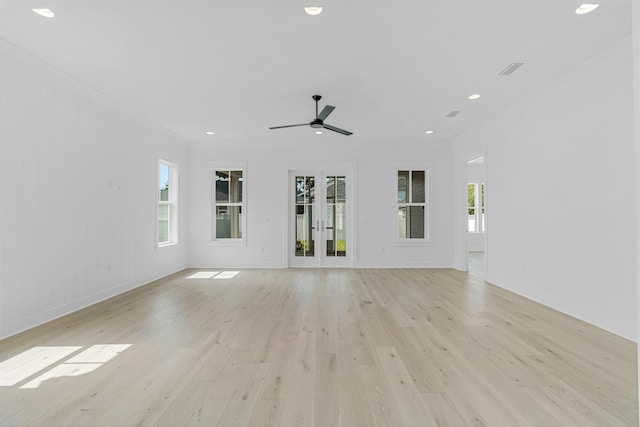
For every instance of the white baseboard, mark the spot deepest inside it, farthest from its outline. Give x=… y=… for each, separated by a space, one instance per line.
x=589 y=315
x=30 y=322
x=431 y=264
x=210 y=264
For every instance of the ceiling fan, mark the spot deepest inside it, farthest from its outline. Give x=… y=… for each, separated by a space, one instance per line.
x=318 y=122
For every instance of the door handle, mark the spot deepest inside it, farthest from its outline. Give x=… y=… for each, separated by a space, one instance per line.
x=318 y=225
x=322 y=226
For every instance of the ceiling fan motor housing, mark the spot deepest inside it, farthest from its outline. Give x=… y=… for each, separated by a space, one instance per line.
x=316 y=123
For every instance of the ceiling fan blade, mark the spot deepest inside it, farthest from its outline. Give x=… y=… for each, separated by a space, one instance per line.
x=335 y=129
x=326 y=111
x=289 y=126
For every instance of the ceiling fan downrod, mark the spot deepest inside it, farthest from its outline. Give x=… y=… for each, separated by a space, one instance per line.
x=317 y=98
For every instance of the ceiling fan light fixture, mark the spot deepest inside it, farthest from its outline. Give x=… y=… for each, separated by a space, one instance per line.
x=319 y=121
x=586 y=8
x=47 y=13
x=313 y=10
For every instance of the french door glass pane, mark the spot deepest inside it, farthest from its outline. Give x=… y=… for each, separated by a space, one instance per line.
x=340 y=219
x=311 y=190
x=331 y=189
x=341 y=192
x=305 y=216
x=300 y=189
x=331 y=243
x=336 y=234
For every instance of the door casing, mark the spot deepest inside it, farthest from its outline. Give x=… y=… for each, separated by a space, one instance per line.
x=320 y=259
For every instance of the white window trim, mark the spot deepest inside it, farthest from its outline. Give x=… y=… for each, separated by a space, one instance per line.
x=172 y=203
x=427 y=240
x=228 y=166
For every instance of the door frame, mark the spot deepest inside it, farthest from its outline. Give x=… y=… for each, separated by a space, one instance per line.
x=465 y=234
x=322 y=261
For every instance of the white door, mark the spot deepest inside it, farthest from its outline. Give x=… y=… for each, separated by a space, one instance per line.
x=320 y=219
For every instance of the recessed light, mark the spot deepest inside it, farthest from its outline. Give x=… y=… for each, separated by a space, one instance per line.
x=429 y=132
x=586 y=8
x=318 y=132
x=474 y=96
x=313 y=10
x=209 y=132
x=47 y=13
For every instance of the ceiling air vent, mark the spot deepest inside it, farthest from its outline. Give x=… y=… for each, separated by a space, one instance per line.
x=510 y=68
x=453 y=113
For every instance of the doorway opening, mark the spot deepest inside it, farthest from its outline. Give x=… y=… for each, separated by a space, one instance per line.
x=475 y=215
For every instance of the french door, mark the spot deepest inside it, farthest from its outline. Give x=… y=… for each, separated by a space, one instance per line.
x=320 y=219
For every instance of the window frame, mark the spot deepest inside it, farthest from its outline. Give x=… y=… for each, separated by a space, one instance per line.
x=415 y=241
x=228 y=241
x=171 y=202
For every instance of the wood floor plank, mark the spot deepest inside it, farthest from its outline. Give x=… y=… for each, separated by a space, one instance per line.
x=267 y=413
x=412 y=409
x=195 y=405
x=325 y=403
x=242 y=404
x=319 y=347
x=354 y=406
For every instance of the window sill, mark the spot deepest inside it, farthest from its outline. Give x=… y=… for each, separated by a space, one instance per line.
x=413 y=242
x=164 y=245
x=228 y=242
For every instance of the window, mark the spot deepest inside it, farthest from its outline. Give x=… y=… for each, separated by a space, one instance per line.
x=167 y=203
x=412 y=206
x=228 y=205
x=475 y=192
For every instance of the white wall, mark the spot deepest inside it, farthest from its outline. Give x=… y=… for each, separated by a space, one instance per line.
x=563 y=164
x=77 y=195
x=267 y=186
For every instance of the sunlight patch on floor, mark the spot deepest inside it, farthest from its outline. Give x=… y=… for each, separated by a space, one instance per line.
x=30 y=362
x=203 y=275
x=227 y=275
x=63 y=370
x=213 y=275
x=52 y=361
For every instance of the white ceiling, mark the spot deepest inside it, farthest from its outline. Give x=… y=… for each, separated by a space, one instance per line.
x=392 y=68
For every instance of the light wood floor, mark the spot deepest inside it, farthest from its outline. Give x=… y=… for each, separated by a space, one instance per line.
x=318 y=347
